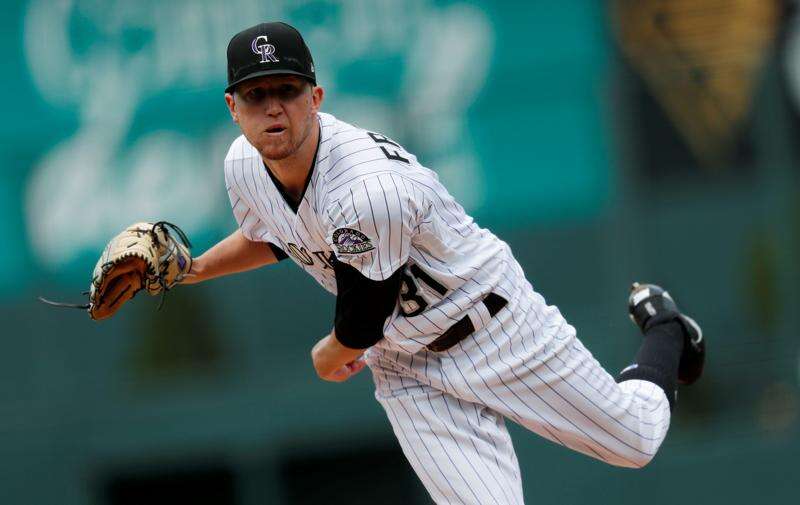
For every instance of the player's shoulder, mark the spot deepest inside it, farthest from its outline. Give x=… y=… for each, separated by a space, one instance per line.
x=372 y=194
x=352 y=144
x=355 y=155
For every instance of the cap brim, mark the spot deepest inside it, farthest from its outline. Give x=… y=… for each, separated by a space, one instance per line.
x=232 y=85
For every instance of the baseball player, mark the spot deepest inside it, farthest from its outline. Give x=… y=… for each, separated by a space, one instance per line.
x=456 y=338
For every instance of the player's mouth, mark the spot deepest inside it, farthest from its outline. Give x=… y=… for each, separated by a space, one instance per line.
x=275 y=130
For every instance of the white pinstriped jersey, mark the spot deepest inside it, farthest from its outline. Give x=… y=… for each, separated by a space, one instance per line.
x=374 y=206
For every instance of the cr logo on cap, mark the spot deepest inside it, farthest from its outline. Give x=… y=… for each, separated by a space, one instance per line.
x=267 y=51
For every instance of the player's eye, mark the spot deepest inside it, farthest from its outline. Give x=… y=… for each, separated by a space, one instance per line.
x=284 y=93
x=255 y=95
x=287 y=92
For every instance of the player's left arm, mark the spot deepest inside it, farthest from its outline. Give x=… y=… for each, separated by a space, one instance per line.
x=362 y=306
x=370 y=234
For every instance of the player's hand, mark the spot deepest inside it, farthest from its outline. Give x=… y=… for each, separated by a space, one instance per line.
x=347 y=371
x=334 y=362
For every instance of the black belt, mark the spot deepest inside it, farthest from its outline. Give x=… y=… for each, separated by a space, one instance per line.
x=465 y=327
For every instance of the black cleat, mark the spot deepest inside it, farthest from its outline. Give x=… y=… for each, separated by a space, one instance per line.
x=649 y=305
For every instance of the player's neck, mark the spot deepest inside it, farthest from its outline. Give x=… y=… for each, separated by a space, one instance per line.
x=292 y=171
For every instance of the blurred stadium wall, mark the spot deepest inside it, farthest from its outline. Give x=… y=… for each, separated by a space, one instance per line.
x=606 y=141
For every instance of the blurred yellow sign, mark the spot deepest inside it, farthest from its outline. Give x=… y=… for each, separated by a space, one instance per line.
x=701 y=60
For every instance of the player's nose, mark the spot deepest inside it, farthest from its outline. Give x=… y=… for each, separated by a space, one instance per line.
x=272 y=106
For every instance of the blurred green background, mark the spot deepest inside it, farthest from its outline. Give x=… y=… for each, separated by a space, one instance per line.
x=605 y=141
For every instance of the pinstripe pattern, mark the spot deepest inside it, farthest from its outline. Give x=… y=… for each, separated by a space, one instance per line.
x=461 y=450
x=524 y=364
x=403 y=209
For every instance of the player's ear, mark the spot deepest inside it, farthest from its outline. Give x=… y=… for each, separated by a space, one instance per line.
x=231 y=102
x=317 y=96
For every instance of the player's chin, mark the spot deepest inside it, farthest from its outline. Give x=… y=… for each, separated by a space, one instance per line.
x=276 y=150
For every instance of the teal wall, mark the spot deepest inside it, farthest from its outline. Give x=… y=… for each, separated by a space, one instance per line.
x=529 y=114
x=118 y=113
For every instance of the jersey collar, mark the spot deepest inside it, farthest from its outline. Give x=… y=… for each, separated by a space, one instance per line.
x=291 y=202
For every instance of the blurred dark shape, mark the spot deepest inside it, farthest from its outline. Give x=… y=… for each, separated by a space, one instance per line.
x=794 y=230
x=213 y=484
x=701 y=61
x=180 y=339
x=661 y=150
x=790 y=59
x=763 y=300
x=361 y=475
x=777 y=408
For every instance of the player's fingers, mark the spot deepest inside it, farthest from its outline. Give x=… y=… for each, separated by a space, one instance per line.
x=337 y=376
x=356 y=366
x=347 y=371
x=340 y=375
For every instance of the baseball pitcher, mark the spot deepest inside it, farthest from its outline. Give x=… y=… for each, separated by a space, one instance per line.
x=437 y=307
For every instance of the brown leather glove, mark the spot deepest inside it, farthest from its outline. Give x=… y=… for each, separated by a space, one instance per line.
x=144 y=256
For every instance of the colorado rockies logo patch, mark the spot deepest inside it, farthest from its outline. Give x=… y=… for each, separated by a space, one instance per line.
x=350 y=241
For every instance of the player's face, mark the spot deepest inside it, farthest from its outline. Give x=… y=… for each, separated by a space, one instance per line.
x=276 y=113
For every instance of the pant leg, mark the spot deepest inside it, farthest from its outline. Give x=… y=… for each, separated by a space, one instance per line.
x=528 y=365
x=461 y=451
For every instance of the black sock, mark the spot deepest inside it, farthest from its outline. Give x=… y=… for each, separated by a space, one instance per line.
x=658 y=358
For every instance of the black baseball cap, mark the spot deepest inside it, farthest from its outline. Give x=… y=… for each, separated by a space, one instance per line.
x=268 y=49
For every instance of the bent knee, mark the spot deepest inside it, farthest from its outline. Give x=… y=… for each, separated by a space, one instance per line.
x=637 y=461
x=642 y=460
x=634 y=460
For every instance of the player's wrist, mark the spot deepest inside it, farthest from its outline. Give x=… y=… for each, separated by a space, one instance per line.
x=197 y=272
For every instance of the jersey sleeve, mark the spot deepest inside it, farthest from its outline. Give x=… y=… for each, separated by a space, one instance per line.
x=371 y=225
x=362 y=306
x=249 y=223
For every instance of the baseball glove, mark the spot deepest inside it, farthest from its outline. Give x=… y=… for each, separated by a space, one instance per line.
x=144 y=256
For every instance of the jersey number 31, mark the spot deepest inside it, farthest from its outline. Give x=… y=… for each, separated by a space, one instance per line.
x=411 y=301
